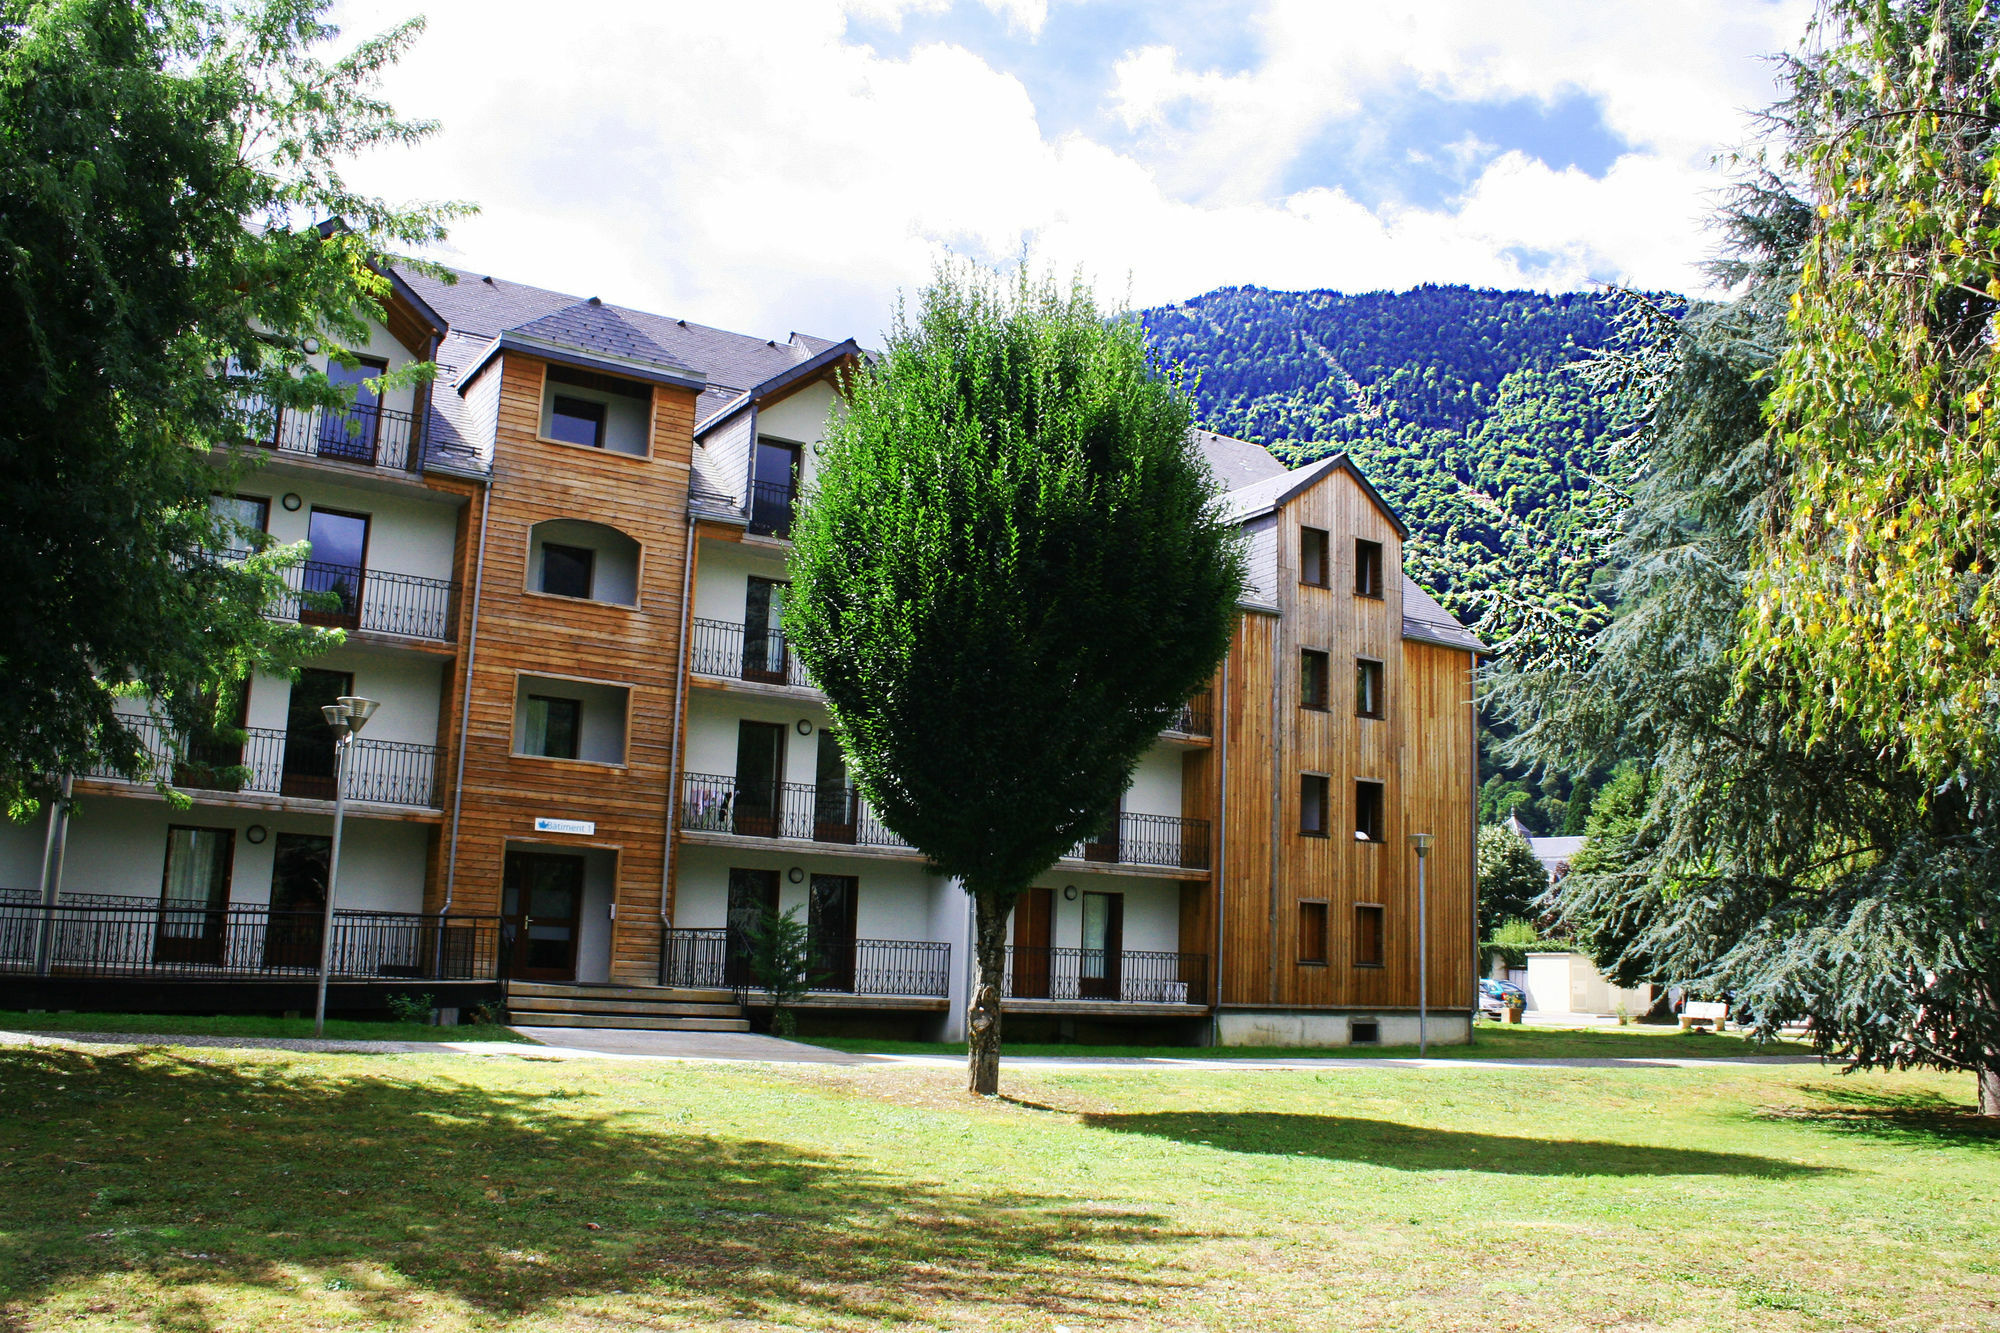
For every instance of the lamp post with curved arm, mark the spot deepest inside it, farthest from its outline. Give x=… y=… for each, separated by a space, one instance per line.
x=346 y=715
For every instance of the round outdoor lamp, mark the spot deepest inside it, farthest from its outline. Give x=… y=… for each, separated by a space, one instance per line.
x=346 y=715
x=1420 y=843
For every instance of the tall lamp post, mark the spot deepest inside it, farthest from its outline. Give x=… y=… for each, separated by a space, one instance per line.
x=1421 y=844
x=346 y=715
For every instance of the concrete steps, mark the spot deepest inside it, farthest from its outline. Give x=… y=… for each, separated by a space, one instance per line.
x=642 y=1008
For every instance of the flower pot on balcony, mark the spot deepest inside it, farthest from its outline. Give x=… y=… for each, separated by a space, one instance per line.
x=1513 y=1014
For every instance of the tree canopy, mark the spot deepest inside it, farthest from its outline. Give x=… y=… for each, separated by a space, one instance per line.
x=161 y=166
x=1007 y=580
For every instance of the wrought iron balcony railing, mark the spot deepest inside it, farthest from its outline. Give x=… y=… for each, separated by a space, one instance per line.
x=270 y=762
x=188 y=940
x=1149 y=840
x=354 y=597
x=771 y=505
x=367 y=435
x=724 y=649
x=712 y=803
x=1196 y=717
x=720 y=959
x=1126 y=976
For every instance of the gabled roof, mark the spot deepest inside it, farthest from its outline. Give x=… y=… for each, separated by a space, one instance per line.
x=589 y=335
x=781 y=384
x=1235 y=463
x=1261 y=497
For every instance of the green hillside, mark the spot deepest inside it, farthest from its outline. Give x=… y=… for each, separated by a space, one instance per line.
x=1463 y=406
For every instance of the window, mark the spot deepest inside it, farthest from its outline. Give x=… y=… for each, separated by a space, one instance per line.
x=1367 y=935
x=243 y=518
x=566 y=570
x=1312 y=932
x=1367 y=569
x=194 y=893
x=1366 y=1032
x=554 y=723
x=1367 y=687
x=1367 y=811
x=1312 y=805
x=576 y=421
x=339 y=562
x=773 y=487
x=1312 y=679
x=1313 y=557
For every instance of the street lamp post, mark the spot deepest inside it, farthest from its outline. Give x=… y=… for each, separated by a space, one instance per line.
x=1421 y=844
x=346 y=715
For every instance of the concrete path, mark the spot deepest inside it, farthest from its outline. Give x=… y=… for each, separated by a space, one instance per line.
x=745 y=1047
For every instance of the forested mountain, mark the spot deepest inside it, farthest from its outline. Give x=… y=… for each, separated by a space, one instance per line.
x=1463 y=406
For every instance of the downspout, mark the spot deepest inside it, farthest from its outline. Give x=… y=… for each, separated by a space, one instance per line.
x=674 y=754
x=1472 y=1018
x=1221 y=847
x=465 y=701
x=1277 y=807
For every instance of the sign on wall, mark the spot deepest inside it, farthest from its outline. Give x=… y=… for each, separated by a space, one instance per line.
x=543 y=824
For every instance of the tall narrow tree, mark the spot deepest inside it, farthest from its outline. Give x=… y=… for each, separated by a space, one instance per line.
x=1008 y=579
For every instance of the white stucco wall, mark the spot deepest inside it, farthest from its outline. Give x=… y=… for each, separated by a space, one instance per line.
x=801 y=419
x=896 y=898
x=406 y=535
x=604 y=715
x=711 y=731
x=722 y=578
x=1152 y=910
x=408 y=686
x=1156 y=783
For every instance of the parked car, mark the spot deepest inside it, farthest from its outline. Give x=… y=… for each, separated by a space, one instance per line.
x=1497 y=996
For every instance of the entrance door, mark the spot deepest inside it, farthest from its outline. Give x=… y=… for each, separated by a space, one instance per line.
x=1103 y=945
x=760 y=776
x=830 y=923
x=337 y=568
x=1034 y=929
x=752 y=893
x=194 y=895
x=352 y=435
x=298 y=900
x=764 y=655
x=834 y=799
x=309 y=749
x=541 y=899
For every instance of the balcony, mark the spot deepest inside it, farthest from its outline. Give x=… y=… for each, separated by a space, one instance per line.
x=271 y=762
x=373 y=600
x=720 y=649
x=1196 y=717
x=771 y=504
x=902 y=969
x=711 y=803
x=364 y=435
x=1101 y=975
x=192 y=941
x=1148 y=840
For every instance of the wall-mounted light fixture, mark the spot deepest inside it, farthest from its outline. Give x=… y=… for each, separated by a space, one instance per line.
x=291 y=501
x=805 y=726
x=795 y=874
x=1069 y=893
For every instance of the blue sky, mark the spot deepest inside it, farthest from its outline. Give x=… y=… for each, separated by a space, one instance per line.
x=773 y=165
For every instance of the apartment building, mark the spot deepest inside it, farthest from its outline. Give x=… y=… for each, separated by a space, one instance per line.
x=561 y=568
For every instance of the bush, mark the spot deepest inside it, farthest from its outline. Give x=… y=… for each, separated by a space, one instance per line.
x=406 y=1007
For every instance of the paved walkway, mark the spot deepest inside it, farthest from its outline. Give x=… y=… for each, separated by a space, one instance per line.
x=621 y=1045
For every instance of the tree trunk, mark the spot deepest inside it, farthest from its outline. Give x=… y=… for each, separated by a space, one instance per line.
x=982 y=1015
x=1989 y=1091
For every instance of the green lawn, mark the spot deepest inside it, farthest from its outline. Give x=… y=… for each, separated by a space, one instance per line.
x=1491 y=1042
x=248 y=1025
x=250 y=1190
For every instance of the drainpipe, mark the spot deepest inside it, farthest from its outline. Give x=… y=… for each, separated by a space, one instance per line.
x=1277 y=807
x=674 y=756
x=465 y=700
x=1472 y=1019
x=1221 y=846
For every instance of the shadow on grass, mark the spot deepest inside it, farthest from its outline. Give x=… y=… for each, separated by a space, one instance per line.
x=1918 y=1116
x=1416 y=1148
x=203 y=1175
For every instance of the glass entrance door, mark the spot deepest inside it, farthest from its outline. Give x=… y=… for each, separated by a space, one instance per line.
x=338 y=566
x=352 y=435
x=309 y=748
x=830 y=921
x=1103 y=945
x=760 y=774
x=764 y=656
x=541 y=901
x=752 y=893
x=834 y=798
x=194 y=895
x=298 y=900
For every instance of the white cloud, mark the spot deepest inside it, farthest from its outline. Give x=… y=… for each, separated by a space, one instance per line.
x=744 y=165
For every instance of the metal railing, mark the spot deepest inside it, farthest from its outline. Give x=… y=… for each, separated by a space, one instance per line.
x=368 y=599
x=771 y=505
x=365 y=434
x=270 y=762
x=1123 y=976
x=718 y=959
x=1149 y=840
x=722 y=648
x=708 y=496
x=713 y=803
x=191 y=941
x=1196 y=717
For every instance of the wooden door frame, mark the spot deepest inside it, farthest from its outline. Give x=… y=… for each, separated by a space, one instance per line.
x=208 y=945
x=516 y=964
x=1110 y=985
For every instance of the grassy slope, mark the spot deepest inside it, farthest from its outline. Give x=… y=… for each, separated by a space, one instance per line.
x=252 y=1190
x=1492 y=1042
x=247 y=1025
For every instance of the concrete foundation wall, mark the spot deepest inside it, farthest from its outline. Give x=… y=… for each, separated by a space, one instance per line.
x=1240 y=1027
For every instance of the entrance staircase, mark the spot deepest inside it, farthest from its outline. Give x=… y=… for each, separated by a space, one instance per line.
x=548 y=1004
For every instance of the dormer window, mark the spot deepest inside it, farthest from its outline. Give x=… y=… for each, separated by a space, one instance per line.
x=574 y=421
x=595 y=411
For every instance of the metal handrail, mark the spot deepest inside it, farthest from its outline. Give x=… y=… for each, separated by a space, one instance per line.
x=1148 y=840
x=716 y=803
x=368 y=435
x=1137 y=976
x=378 y=600
x=718 y=648
x=771 y=507
x=1195 y=717
x=272 y=762
x=718 y=959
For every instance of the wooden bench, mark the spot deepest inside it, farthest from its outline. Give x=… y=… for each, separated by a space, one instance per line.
x=1714 y=1012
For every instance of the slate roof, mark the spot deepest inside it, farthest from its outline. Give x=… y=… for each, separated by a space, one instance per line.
x=1427 y=622
x=592 y=326
x=1236 y=463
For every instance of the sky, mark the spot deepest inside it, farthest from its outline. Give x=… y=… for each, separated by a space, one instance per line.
x=780 y=165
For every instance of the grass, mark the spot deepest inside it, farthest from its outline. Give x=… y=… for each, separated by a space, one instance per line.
x=248 y=1025
x=1494 y=1042
x=240 y=1190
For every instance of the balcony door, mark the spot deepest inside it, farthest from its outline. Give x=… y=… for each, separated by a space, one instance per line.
x=1034 y=932
x=337 y=569
x=194 y=895
x=764 y=655
x=752 y=893
x=1102 y=843
x=835 y=802
x=760 y=777
x=309 y=749
x=1103 y=945
x=831 y=915
x=353 y=435
x=541 y=903
x=298 y=900
x=773 y=487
